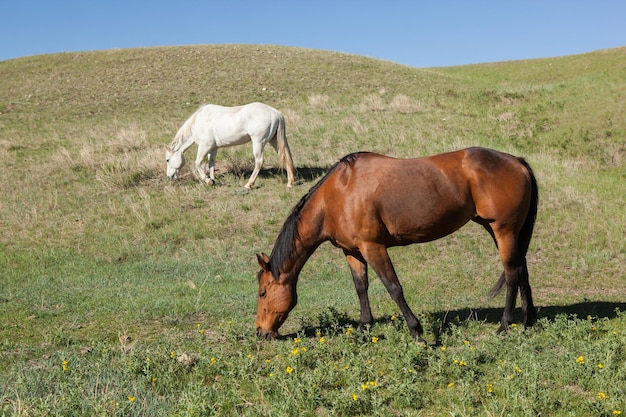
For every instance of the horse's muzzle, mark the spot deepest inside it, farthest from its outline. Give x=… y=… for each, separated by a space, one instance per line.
x=266 y=334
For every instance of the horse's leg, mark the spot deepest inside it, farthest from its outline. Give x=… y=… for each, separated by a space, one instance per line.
x=516 y=278
x=528 y=307
x=212 y=156
x=257 y=151
x=290 y=171
x=377 y=256
x=358 y=267
x=203 y=150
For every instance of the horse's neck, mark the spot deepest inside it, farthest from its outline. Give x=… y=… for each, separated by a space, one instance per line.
x=183 y=143
x=303 y=249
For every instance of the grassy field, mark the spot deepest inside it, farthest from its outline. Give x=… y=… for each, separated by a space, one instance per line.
x=122 y=293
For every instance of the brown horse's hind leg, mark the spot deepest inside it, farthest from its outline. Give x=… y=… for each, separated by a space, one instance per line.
x=528 y=308
x=358 y=267
x=516 y=278
x=378 y=258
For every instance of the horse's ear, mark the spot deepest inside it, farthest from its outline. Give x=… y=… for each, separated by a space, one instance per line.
x=264 y=261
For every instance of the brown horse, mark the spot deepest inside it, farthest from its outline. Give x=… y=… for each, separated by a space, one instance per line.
x=369 y=202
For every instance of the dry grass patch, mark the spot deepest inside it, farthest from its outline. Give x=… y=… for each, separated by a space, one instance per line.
x=318 y=100
x=405 y=104
x=373 y=102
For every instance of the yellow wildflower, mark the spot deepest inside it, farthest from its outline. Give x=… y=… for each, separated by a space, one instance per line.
x=374 y=339
x=368 y=385
x=580 y=360
x=602 y=396
x=489 y=388
x=450 y=384
x=131 y=399
x=289 y=370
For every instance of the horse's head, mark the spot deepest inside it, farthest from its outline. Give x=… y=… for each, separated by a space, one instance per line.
x=276 y=299
x=175 y=161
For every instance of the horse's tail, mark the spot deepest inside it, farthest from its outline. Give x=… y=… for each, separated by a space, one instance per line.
x=284 y=152
x=526 y=233
x=529 y=225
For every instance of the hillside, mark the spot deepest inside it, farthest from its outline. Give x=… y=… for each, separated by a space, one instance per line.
x=538 y=104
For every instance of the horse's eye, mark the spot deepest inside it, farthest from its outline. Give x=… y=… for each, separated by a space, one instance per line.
x=262 y=293
x=167 y=160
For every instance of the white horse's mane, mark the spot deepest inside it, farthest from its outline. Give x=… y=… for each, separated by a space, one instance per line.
x=184 y=131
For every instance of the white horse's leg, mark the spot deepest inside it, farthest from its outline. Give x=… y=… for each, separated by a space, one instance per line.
x=202 y=153
x=290 y=174
x=257 y=151
x=212 y=156
x=274 y=144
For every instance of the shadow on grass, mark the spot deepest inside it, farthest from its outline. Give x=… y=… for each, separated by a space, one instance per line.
x=599 y=309
x=332 y=321
x=303 y=174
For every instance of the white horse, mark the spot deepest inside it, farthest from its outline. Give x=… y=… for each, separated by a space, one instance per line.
x=213 y=127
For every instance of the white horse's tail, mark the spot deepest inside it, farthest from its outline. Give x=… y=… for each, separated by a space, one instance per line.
x=284 y=152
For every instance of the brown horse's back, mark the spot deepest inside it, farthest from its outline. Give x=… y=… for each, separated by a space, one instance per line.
x=375 y=198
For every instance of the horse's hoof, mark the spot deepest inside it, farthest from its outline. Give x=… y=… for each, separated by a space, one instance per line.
x=502 y=329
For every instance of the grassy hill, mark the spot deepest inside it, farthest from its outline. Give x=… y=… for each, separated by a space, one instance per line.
x=99 y=249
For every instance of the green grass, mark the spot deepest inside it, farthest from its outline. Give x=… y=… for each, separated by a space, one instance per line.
x=105 y=263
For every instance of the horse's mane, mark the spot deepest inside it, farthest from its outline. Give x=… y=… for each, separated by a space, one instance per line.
x=184 y=131
x=289 y=235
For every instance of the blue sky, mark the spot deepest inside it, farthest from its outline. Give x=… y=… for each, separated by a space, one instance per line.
x=416 y=33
